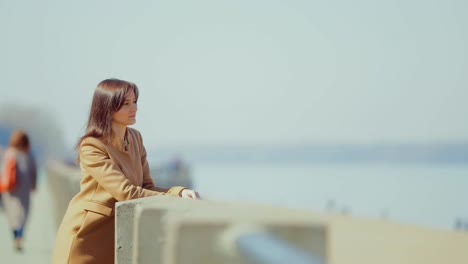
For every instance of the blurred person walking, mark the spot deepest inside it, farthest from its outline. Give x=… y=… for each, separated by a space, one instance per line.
x=114 y=168
x=17 y=180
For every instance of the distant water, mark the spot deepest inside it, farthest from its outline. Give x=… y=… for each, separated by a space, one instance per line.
x=430 y=195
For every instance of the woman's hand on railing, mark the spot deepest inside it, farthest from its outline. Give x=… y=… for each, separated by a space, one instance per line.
x=190 y=194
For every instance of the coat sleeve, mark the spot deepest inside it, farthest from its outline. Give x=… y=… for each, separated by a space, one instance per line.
x=148 y=182
x=95 y=161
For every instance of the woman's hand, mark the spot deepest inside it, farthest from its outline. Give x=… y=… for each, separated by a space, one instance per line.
x=190 y=194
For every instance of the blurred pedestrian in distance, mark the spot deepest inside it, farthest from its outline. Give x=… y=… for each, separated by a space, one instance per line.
x=18 y=179
x=175 y=164
x=114 y=168
x=330 y=205
x=458 y=224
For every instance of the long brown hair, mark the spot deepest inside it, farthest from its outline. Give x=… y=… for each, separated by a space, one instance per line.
x=108 y=98
x=19 y=140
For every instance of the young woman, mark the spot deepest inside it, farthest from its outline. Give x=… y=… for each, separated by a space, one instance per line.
x=113 y=168
x=18 y=172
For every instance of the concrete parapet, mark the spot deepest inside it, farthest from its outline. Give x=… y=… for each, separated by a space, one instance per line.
x=124 y=227
x=63 y=182
x=213 y=238
x=174 y=230
x=169 y=230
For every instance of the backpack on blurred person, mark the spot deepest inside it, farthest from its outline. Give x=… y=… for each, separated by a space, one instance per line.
x=8 y=175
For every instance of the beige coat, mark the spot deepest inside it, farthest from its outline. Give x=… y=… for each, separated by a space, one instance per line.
x=110 y=173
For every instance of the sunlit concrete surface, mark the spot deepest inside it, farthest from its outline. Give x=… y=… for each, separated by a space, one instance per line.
x=356 y=240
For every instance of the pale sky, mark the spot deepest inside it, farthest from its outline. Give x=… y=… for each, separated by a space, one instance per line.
x=247 y=71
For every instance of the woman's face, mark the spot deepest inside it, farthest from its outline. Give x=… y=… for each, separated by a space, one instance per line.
x=126 y=115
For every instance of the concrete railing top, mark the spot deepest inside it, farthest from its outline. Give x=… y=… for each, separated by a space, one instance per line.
x=171 y=230
x=161 y=226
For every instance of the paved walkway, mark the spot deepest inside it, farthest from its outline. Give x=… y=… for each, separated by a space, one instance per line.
x=39 y=233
